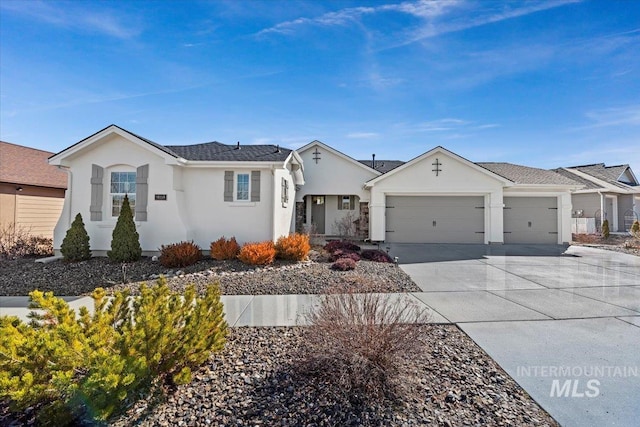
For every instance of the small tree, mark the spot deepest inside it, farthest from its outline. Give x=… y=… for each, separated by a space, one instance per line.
x=635 y=229
x=125 y=242
x=605 y=229
x=75 y=246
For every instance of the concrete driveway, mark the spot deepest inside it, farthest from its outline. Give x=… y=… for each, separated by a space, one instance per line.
x=563 y=322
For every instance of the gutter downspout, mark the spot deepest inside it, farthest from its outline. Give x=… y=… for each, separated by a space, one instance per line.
x=602 y=213
x=69 y=185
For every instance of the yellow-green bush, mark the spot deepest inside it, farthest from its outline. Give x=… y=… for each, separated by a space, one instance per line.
x=261 y=253
x=294 y=247
x=84 y=368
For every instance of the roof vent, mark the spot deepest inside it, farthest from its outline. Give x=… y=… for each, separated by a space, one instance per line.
x=373 y=161
x=238 y=146
x=278 y=148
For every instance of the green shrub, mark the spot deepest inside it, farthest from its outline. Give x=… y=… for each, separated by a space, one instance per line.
x=125 y=241
x=84 y=369
x=180 y=254
x=75 y=245
x=605 y=229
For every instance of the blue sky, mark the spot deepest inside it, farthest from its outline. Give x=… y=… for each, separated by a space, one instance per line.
x=540 y=83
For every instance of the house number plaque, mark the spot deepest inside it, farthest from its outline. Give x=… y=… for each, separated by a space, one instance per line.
x=160 y=197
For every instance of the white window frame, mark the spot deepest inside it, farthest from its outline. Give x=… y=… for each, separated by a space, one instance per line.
x=130 y=194
x=236 y=183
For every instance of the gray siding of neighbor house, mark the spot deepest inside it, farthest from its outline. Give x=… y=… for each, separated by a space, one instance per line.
x=589 y=203
x=625 y=203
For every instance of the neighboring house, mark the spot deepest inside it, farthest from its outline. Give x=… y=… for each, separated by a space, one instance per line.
x=609 y=192
x=194 y=192
x=438 y=197
x=31 y=191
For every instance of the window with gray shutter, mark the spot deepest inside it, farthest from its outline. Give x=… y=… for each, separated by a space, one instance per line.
x=284 y=188
x=228 y=186
x=255 y=186
x=142 y=192
x=97 y=175
x=346 y=203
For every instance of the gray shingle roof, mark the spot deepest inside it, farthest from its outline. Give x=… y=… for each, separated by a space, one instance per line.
x=588 y=184
x=608 y=174
x=383 y=166
x=527 y=175
x=216 y=151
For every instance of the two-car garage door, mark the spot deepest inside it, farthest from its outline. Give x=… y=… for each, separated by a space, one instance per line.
x=460 y=219
x=435 y=219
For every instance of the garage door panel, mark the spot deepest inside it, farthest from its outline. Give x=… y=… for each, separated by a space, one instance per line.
x=531 y=220
x=435 y=219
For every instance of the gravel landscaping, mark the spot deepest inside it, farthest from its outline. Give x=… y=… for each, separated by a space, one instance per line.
x=254 y=381
x=19 y=277
x=623 y=243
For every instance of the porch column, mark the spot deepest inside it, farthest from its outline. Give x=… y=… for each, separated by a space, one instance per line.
x=495 y=232
x=377 y=216
x=564 y=218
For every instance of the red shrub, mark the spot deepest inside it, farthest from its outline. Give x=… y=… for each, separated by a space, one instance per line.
x=340 y=253
x=180 y=254
x=295 y=247
x=376 y=255
x=225 y=249
x=344 y=264
x=341 y=244
x=261 y=253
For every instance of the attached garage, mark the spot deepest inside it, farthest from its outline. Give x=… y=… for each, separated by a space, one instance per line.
x=435 y=219
x=531 y=220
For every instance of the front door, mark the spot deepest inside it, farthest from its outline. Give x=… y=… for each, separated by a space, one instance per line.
x=317 y=213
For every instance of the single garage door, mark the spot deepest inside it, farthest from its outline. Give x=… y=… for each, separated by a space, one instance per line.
x=531 y=220
x=435 y=219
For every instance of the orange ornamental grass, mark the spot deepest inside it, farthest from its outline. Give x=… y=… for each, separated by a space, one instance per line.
x=261 y=253
x=225 y=249
x=294 y=247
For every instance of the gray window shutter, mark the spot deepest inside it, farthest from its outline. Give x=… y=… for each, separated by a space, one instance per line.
x=97 y=175
x=352 y=202
x=255 y=186
x=339 y=203
x=228 y=186
x=286 y=191
x=142 y=192
x=282 y=190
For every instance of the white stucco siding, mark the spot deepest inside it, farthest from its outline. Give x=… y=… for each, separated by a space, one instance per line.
x=210 y=217
x=454 y=178
x=334 y=215
x=333 y=175
x=284 y=211
x=115 y=153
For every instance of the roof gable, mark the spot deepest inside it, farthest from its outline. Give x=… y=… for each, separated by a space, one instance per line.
x=167 y=154
x=174 y=154
x=443 y=151
x=606 y=176
x=340 y=154
x=28 y=166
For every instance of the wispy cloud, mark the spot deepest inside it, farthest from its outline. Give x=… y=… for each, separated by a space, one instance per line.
x=434 y=17
x=362 y=135
x=619 y=116
x=74 y=16
x=449 y=128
